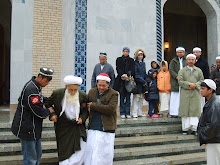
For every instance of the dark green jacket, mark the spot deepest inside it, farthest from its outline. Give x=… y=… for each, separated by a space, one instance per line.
x=68 y=133
x=108 y=106
x=174 y=68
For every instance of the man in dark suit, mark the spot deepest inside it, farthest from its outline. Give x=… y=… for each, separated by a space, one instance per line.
x=71 y=112
x=201 y=62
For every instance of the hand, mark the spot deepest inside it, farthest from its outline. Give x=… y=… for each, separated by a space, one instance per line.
x=79 y=121
x=83 y=105
x=126 y=77
x=51 y=109
x=89 y=104
x=53 y=118
x=192 y=86
x=145 y=85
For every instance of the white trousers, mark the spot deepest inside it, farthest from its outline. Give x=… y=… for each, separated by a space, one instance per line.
x=76 y=158
x=190 y=123
x=213 y=154
x=99 y=148
x=175 y=103
x=164 y=101
x=137 y=104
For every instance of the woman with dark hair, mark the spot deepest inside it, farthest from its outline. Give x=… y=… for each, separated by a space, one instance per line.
x=124 y=68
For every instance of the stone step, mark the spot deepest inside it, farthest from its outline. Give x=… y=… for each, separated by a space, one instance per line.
x=193 y=158
x=120 y=123
x=9 y=136
x=16 y=147
x=141 y=121
x=7 y=126
x=124 y=131
x=46 y=158
x=156 y=150
x=148 y=130
x=121 y=142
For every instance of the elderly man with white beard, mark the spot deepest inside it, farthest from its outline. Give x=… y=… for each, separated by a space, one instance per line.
x=71 y=112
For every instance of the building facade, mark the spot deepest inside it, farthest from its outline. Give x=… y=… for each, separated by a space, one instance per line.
x=67 y=35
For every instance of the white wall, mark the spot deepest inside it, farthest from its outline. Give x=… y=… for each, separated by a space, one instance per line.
x=21 y=46
x=68 y=38
x=212 y=12
x=113 y=24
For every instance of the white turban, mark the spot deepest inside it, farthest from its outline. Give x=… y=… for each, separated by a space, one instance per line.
x=197 y=49
x=218 y=57
x=191 y=55
x=210 y=83
x=70 y=80
x=180 y=48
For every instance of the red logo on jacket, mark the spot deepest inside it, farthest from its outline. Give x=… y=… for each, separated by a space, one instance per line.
x=35 y=100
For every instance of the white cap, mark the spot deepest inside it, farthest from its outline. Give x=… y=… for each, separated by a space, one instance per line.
x=140 y=52
x=218 y=57
x=180 y=48
x=210 y=83
x=70 y=80
x=191 y=55
x=197 y=49
x=103 y=76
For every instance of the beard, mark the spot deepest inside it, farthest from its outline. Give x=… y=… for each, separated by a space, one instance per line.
x=72 y=99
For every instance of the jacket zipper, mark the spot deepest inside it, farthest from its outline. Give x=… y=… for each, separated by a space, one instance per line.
x=164 y=81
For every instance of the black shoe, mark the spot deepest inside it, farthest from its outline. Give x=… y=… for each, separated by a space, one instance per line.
x=173 y=116
x=194 y=133
x=185 y=132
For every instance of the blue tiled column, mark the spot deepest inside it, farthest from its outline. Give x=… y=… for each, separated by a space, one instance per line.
x=159 y=30
x=80 y=40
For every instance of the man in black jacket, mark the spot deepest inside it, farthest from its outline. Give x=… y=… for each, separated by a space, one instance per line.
x=209 y=123
x=27 y=123
x=215 y=75
x=203 y=65
x=201 y=62
x=125 y=68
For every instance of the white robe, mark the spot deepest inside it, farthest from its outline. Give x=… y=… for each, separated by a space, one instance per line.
x=175 y=97
x=164 y=101
x=78 y=157
x=213 y=154
x=175 y=103
x=99 y=148
x=190 y=123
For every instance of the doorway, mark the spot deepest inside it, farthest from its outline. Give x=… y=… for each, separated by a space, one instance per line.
x=5 y=40
x=185 y=25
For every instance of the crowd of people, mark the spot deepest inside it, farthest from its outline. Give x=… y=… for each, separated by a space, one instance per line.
x=175 y=90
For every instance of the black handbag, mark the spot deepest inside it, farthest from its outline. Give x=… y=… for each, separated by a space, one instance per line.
x=130 y=85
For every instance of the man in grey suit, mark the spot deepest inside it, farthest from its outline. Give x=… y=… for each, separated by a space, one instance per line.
x=103 y=67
